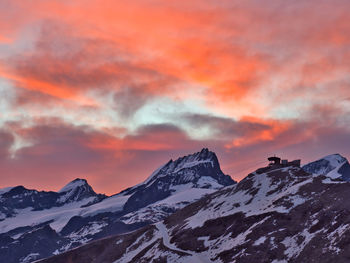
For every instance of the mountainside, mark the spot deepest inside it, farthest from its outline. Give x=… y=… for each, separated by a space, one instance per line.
x=335 y=166
x=282 y=215
x=37 y=224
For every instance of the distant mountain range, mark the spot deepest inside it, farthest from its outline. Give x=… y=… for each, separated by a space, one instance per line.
x=285 y=214
x=38 y=224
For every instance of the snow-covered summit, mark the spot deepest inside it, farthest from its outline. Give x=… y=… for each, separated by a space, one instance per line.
x=335 y=159
x=203 y=157
x=334 y=166
x=76 y=190
x=185 y=165
x=197 y=170
x=73 y=184
x=14 y=201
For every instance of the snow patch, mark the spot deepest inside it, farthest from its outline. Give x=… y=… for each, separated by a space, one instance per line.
x=334 y=173
x=293 y=249
x=208 y=182
x=260 y=241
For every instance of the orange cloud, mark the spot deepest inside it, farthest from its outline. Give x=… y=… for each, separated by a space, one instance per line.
x=169 y=46
x=263 y=75
x=231 y=50
x=274 y=130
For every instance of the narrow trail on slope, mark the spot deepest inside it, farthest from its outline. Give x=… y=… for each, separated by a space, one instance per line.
x=166 y=241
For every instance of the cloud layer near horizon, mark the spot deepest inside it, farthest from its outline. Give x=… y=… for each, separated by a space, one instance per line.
x=109 y=90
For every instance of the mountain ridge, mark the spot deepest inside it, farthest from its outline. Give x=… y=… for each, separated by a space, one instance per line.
x=284 y=215
x=77 y=215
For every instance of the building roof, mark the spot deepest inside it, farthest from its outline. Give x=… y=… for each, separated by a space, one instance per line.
x=274 y=158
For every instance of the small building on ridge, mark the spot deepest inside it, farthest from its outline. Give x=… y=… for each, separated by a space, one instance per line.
x=276 y=163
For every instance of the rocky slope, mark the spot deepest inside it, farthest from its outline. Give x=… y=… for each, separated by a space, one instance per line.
x=283 y=215
x=37 y=224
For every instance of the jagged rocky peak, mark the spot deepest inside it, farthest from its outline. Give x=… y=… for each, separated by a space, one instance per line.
x=192 y=167
x=204 y=157
x=200 y=170
x=334 y=166
x=76 y=190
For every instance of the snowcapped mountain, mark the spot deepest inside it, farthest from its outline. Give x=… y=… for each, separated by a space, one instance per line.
x=198 y=173
x=78 y=190
x=192 y=168
x=14 y=199
x=75 y=215
x=281 y=215
x=334 y=166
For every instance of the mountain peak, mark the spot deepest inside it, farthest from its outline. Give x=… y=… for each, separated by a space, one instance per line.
x=335 y=159
x=76 y=190
x=200 y=170
x=334 y=166
x=206 y=154
x=78 y=182
x=204 y=158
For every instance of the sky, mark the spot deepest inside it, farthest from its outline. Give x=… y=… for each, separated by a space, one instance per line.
x=109 y=90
